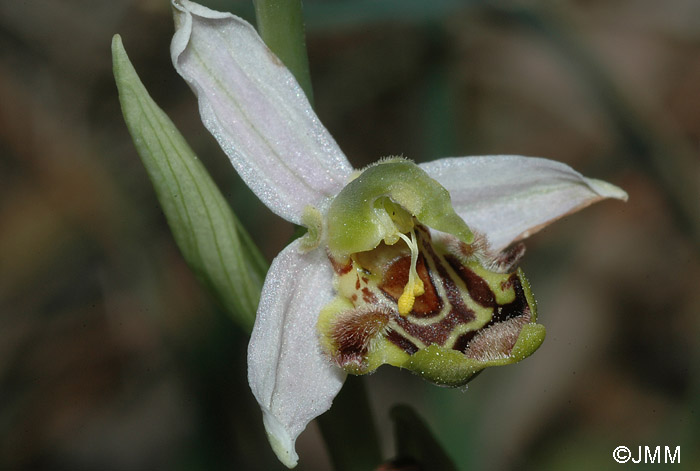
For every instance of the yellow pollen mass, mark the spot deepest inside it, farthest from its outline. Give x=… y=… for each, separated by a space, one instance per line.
x=414 y=287
x=406 y=302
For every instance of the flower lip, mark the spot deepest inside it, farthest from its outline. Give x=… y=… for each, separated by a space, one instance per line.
x=466 y=317
x=380 y=204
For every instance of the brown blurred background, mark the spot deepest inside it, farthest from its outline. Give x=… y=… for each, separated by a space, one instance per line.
x=111 y=355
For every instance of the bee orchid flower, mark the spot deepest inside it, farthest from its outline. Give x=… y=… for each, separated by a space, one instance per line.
x=402 y=264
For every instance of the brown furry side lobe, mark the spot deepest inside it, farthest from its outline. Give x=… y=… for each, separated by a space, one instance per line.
x=353 y=331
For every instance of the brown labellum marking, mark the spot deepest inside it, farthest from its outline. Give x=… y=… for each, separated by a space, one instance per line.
x=501 y=333
x=368 y=296
x=459 y=313
x=352 y=333
x=339 y=268
x=515 y=308
x=477 y=287
x=400 y=341
x=438 y=332
x=454 y=297
x=395 y=279
x=462 y=342
x=506 y=285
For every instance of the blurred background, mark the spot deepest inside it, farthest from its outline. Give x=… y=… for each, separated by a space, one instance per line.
x=112 y=357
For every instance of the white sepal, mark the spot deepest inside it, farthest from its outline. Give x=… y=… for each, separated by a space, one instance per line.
x=291 y=378
x=510 y=197
x=257 y=112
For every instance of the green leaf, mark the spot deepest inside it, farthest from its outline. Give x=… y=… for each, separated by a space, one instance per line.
x=211 y=239
x=415 y=443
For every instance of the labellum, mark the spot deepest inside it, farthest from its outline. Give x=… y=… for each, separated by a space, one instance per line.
x=438 y=304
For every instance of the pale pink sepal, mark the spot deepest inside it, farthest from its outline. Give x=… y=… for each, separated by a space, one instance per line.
x=256 y=111
x=510 y=197
x=290 y=376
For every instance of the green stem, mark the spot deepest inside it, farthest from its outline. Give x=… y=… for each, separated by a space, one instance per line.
x=348 y=429
x=281 y=25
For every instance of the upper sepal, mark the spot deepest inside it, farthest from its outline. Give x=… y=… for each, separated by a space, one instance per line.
x=256 y=110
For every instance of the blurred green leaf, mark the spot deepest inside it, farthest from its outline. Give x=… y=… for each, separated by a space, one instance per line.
x=415 y=444
x=211 y=239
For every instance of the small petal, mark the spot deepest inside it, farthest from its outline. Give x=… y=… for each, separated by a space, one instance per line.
x=510 y=197
x=256 y=111
x=290 y=377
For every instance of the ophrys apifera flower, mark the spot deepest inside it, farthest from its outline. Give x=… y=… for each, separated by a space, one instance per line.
x=404 y=264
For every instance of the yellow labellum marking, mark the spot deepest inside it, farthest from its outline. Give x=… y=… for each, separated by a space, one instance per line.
x=414 y=287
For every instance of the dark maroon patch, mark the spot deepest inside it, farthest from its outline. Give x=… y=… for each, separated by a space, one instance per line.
x=459 y=309
x=402 y=342
x=477 y=287
x=518 y=307
x=437 y=332
x=463 y=340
